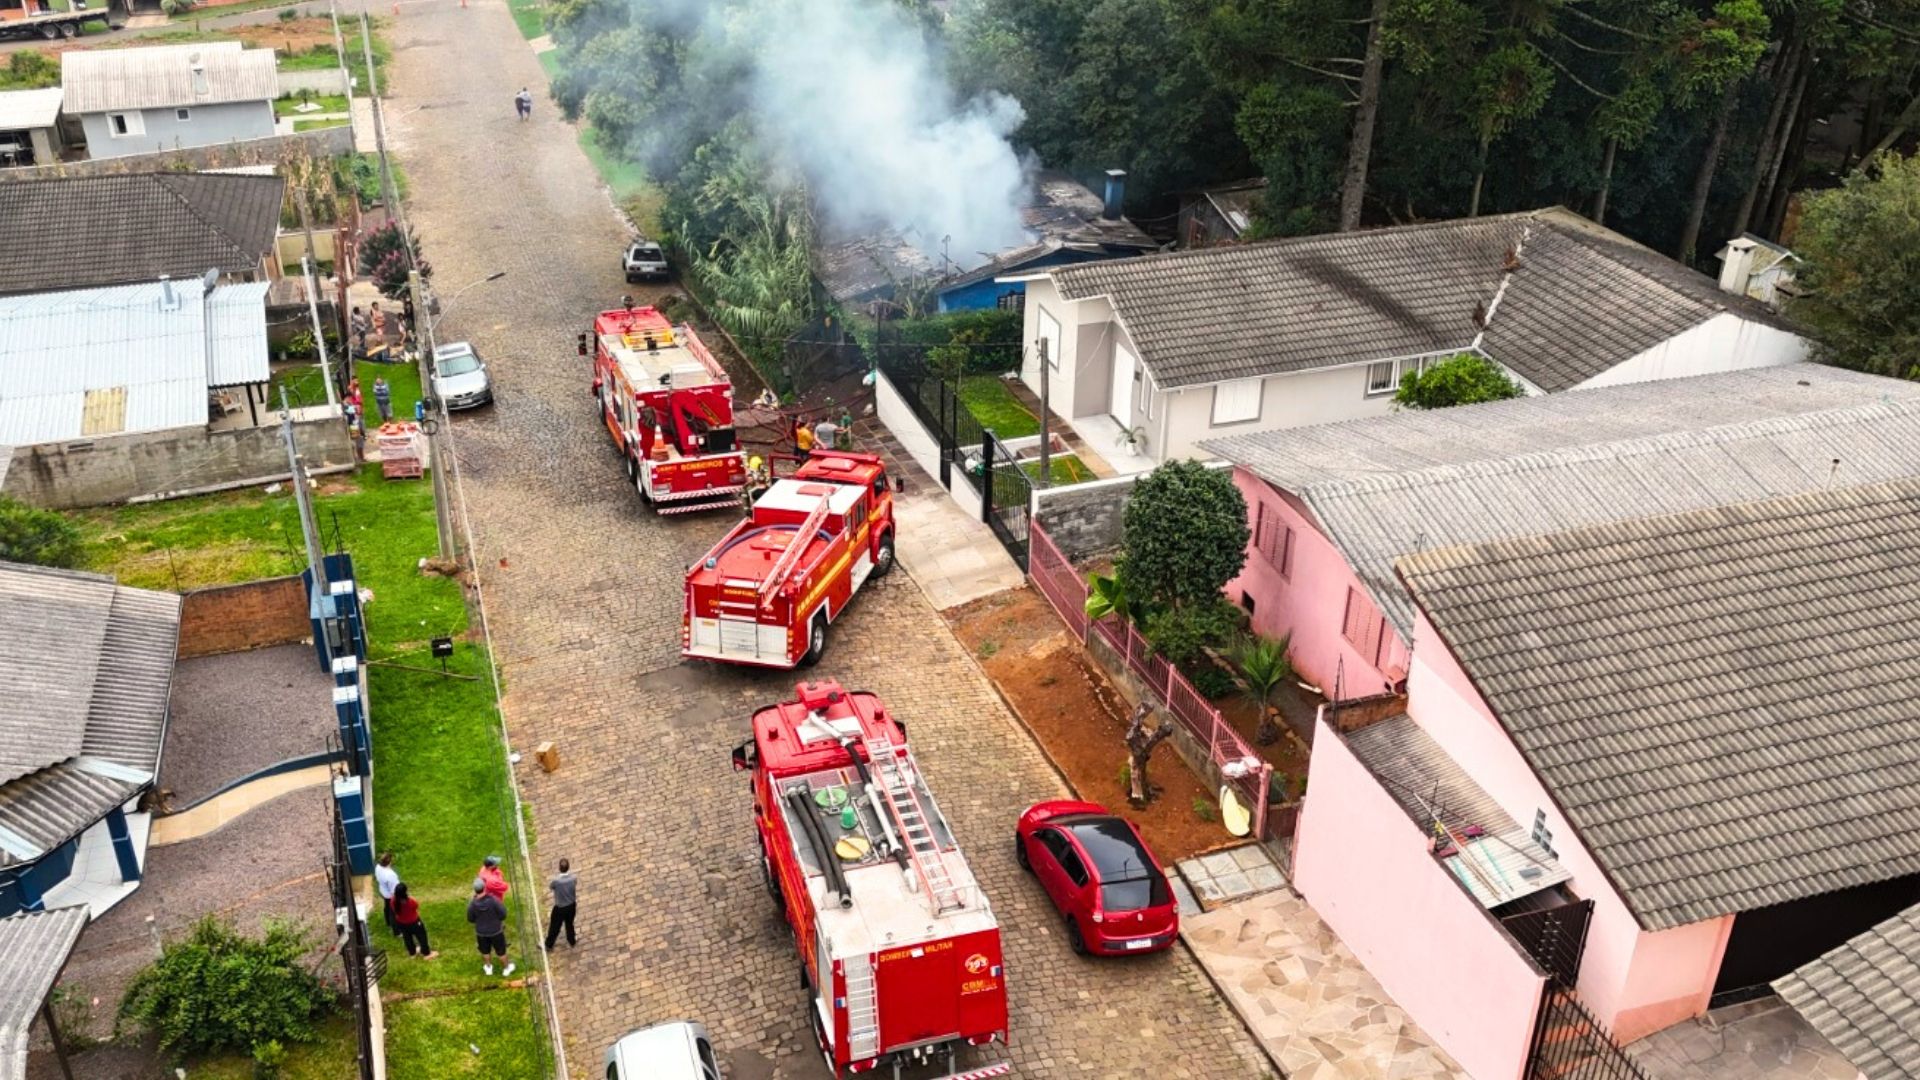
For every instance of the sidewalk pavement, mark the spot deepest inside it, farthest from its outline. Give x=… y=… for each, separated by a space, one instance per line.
x=1316 y=1011
x=954 y=558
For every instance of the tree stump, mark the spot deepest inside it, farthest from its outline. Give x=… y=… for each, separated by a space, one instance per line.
x=1140 y=744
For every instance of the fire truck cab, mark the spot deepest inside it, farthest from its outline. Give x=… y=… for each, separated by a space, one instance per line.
x=767 y=591
x=669 y=406
x=898 y=945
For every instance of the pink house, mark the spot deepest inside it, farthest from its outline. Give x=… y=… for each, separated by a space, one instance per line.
x=1689 y=741
x=1331 y=507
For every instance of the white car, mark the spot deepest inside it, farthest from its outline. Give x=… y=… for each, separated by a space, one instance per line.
x=460 y=376
x=676 y=1051
x=644 y=261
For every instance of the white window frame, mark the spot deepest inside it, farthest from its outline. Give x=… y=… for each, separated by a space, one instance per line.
x=1042 y=320
x=132 y=121
x=183 y=115
x=1393 y=381
x=1147 y=389
x=1227 y=393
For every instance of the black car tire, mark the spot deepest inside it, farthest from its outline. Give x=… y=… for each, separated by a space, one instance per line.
x=816 y=640
x=1073 y=936
x=1020 y=854
x=883 y=562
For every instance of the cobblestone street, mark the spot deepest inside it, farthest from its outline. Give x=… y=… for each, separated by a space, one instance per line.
x=583 y=596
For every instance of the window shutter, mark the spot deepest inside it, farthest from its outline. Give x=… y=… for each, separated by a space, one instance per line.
x=1363 y=626
x=1237 y=401
x=1285 y=562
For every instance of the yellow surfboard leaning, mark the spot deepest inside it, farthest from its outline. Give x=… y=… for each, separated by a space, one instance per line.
x=1236 y=817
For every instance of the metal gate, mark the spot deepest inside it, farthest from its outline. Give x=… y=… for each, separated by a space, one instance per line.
x=1570 y=1044
x=1006 y=496
x=1556 y=937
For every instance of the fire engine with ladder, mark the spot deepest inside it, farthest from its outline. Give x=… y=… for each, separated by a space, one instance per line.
x=899 y=948
x=766 y=592
x=669 y=407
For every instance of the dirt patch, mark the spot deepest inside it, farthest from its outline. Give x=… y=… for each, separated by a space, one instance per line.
x=288 y=38
x=1080 y=719
x=1287 y=754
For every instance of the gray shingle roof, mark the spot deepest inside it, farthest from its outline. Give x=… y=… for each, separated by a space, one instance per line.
x=1721 y=701
x=111 y=230
x=165 y=76
x=33 y=948
x=1581 y=301
x=1864 y=997
x=1387 y=486
x=1423 y=778
x=85 y=671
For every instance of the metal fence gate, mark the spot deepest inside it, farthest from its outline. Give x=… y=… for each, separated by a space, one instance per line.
x=1006 y=497
x=1556 y=937
x=1570 y=1044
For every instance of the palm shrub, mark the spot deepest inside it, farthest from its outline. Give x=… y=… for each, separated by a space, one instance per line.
x=1264 y=664
x=40 y=537
x=217 y=989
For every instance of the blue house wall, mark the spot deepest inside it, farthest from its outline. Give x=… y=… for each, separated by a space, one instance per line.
x=976 y=295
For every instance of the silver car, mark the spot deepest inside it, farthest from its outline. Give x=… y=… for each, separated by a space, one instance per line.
x=460 y=376
x=676 y=1051
x=645 y=261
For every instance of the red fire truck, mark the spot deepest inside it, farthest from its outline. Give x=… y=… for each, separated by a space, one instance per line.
x=669 y=407
x=766 y=592
x=899 y=949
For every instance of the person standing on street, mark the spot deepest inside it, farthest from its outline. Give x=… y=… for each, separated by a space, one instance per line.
x=406 y=913
x=562 y=886
x=383 y=398
x=523 y=103
x=386 y=879
x=495 y=881
x=489 y=918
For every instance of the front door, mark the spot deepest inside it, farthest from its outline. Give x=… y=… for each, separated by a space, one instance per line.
x=1120 y=395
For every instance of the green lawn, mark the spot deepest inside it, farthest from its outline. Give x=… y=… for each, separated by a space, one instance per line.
x=314 y=125
x=452 y=1026
x=1064 y=468
x=331 y=1057
x=626 y=179
x=549 y=63
x=991 y=403
x=529 y=16
x=329 y=103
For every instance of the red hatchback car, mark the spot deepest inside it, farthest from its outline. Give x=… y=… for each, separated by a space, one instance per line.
x=1100 y=875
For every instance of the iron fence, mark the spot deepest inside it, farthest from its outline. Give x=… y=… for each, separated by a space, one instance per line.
x=1006 y=497
x=1066 y=592
x=1569 y=1043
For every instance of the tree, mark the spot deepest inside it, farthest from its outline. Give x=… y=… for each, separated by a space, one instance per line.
x=1264 y=665
x=217 y=989
x=1140 y=744
x=1861 y=280
x=38 y=537
x=1184 y=535
x=383 y=260
x=1463 y=379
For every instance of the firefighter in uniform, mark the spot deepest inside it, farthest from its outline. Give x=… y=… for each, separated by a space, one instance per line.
x=759 y=478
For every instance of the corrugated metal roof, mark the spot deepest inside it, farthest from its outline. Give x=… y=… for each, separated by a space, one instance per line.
x=1721 y=701
x=1864 y=997
x=86 y=667
x=164 y=76
x=237 y=334
x=34 y=946
x=1411 y=481
x=1580 y=300
x=60 y=346
x=22 y=109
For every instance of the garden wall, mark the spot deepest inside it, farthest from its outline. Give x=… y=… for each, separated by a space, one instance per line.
x=236 y=618
x=321 y=81
x=322 y=143
x=1084 y=519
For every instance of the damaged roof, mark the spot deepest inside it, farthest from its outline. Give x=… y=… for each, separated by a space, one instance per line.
x=1062 y=214
x=1721 y=701
x=1579 y=299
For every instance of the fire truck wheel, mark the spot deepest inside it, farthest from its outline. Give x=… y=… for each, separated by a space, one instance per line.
x=816 y=640
x=1020 y=854
x=773 y=887
x=883 y=561
x=1073 y=936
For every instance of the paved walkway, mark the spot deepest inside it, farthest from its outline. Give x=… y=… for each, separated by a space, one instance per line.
x=954 y=558
x=228 y=806
x=1760 y=1040
x=583 y=596
x=1315 y=1008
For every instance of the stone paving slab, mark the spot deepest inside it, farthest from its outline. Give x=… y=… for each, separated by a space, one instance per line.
x=1222 y=876
x=1759 y=1040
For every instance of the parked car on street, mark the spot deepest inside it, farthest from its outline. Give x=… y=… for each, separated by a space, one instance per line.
x=460 y=376
x=680 y=1050
x=644 y=261
x=1098 y=872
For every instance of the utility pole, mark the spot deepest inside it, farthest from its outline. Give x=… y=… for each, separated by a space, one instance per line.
x=309 y=531
x=313 y=290
x=340 y=52
x=394 y=213
x=1046 y=436
x=442 y=459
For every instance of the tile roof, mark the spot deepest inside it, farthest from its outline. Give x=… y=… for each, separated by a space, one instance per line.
x=1721 y=701
x=1581 y=300
x=34 y=947
x=23 y=109
x=113 y=230
x=1864 y=998
x=85 y=670
x=1386 y=486
x=167 y=76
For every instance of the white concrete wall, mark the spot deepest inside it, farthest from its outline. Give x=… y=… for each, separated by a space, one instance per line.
x=206 y=125
x=324 y=81
x=1725 y=342
x=1309 y=397
x=921 y=445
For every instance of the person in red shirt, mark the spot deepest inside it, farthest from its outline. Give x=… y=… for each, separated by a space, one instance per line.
x=406 y=919
x=496 y=882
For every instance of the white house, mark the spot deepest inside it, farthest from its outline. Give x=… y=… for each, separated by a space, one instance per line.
x=170 y=97
x=1149 y=356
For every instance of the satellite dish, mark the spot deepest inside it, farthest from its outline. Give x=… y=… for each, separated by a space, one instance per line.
x=1236 y=817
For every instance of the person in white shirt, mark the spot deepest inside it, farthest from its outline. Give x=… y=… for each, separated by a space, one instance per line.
x=386 y=879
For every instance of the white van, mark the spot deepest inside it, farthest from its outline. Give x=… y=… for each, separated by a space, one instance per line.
x=676 y=1051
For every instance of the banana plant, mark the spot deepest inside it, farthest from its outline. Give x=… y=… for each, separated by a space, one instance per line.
x=1264 y=664
x=1106 y=596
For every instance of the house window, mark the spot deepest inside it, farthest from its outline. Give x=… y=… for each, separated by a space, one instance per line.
x=104 y=411
x=1273 y=539
x=1246 y=601
x=183 y=114
x=1049 y=332
x=1380 y=378
x=1363 y=626
x=1542 y=835
x=123 y=124
x=1236 y=402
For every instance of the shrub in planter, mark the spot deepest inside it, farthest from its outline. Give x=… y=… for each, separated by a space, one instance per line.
x=1183 y=634
x=217 y=989
x=1212 y=682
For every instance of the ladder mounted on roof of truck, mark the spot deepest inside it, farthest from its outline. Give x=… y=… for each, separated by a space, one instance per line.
x=790 y=558
x=892 y=767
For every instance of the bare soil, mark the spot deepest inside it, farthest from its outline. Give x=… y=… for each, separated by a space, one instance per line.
x=1080 y=719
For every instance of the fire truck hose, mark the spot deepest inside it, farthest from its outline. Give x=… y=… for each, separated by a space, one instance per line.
x=817 y=839
x=894 y=847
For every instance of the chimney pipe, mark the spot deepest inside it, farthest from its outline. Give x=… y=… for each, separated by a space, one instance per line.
x=1737 y=271
x=1116 y=194
x=169 y=301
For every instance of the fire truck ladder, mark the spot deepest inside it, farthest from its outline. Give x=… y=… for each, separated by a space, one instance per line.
x=863 y=1008
x=890 y=764
x=790 y=558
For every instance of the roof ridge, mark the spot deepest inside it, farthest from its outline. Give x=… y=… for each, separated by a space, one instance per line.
x=165 y=180
x=1586 y=241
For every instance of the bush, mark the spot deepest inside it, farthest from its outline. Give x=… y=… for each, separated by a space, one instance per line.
x=383 y=260
x=1184 y=634
x=973 y=342
x=1183 y=534
x=219 y=990
x=1212 y=682
x=29 y=70
x=40 y=537
x=1465 y=379
x=176 y=7
x=268 y=1059
x=288 y=14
